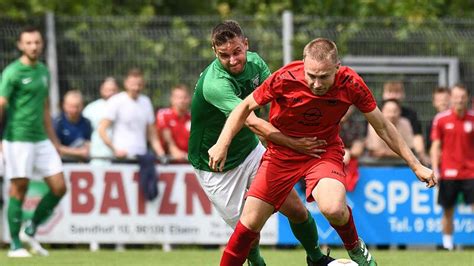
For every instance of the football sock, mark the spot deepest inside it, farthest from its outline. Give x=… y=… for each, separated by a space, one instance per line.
x=348 y=232
x=255 y=258
x=448 y=242
x=43 y=211
x=14 y=215
x=307 y=233
x=238 y=246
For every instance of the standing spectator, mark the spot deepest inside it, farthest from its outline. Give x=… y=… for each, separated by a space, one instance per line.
x=396 y=90
x=29 y=142
x=174 y=123
x=377 y=148
x=131 y=117
x=441 y=98
x=452 y=156
x=73 y=130
x=100 y=153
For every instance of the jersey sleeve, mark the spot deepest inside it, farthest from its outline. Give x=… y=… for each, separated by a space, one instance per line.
x=264 y=70
x=436 y=132
x=150 y=116
x=363 y=98
x=161 y=121
x=111 y=108
x=88 y=134
x=222 y=95
x=268 y=90
x=6 y=83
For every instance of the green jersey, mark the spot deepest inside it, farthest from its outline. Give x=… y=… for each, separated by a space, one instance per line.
x=26 y=90
x=216 y=94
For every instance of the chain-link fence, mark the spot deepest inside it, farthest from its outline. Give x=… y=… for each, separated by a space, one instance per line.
x=173 y=50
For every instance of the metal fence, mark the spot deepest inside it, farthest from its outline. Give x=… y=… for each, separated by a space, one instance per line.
x=174 y=50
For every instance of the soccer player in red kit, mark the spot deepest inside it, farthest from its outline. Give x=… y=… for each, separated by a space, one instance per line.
x=308 y=99
x=452 y=156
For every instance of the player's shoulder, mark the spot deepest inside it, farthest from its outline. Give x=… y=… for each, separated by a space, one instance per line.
x=442 y=116
x=166 y=111
x=293 y=71
x=12 y=68
x=254 y=57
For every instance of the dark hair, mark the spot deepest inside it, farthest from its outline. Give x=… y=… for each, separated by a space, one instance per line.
x=225 y=31
x=134 y=72
x=395 y=101
x=28 y=29
x=321 y=49
x=441 y=90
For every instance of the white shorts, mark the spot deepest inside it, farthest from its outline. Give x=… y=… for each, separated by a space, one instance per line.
x=33 y=160
x=226 y=190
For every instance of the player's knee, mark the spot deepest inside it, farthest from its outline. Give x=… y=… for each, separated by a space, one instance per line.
x=333 y=213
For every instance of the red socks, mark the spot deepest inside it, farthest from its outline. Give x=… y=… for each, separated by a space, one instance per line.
x=238 y=247
x=348 y=232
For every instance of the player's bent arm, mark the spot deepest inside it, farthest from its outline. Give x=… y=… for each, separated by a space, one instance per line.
x=435 y=155
x=268 y=131
x=3 y=105
x=394 y=140
x=102 y=129
x=48 y=125
x=235 y=122
x=154 y=140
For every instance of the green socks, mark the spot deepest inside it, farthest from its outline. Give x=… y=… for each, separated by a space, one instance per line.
x=255 y=258
x=14 y=215
x=307 y=233
x=43 y=211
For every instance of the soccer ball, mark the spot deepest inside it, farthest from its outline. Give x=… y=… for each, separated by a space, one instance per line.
x=342 y=262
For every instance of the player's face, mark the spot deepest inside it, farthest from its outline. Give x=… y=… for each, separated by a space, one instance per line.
x=441 y=101
x=233 y=55
x=134 y=85
x=180 y=99
x=31 y=45
x=320 y=75
x=459 y=99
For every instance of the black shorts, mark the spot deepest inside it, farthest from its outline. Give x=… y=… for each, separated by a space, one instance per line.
x=449 y=190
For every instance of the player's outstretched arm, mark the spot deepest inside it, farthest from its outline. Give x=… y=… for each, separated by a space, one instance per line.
x=235 y=122
x=308 y=145
x=394 y=140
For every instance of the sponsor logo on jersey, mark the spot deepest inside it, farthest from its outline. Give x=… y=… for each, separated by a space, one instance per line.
x=26 y=80
x=468 y=126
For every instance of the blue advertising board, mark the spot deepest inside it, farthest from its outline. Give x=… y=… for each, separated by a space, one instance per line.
x=390 y=206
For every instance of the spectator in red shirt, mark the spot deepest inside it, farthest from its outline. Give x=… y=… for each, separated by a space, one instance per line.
x=173 y=123
x=308 y=98
x=452 y=156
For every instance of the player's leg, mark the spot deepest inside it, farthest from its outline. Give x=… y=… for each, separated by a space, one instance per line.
x=304 y=228
x=256 y=212
x=447 y=196
x=47 y=163
x=18 y=166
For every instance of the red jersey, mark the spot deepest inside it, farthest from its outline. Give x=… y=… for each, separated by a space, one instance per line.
x=457 y=144
x=298 y=112
x=178 y=125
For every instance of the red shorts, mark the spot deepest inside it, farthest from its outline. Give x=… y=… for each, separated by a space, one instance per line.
x=276 y=178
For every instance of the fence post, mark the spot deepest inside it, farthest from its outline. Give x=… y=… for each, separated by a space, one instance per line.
x=287 y=20
x=52 y=61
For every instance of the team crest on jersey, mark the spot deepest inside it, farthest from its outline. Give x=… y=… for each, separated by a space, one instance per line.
x=468 y=126
x=256 y=81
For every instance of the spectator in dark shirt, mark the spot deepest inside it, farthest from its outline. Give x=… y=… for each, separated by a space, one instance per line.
x=73 y=130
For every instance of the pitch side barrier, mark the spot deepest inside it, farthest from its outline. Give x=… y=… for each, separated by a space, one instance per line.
x=105 y=204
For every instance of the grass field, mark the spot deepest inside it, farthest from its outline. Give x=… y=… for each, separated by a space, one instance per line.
x=212 y=257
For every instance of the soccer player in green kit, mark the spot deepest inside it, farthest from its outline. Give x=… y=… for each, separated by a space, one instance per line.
x=28 y=151
x=222 y=85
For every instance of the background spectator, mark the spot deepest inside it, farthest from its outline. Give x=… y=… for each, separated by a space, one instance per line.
x=99 y=152
x=377 y=148
x=174 y=123
x=452 y=157
x=441 y=100
x=396 y=90
x=73 y=130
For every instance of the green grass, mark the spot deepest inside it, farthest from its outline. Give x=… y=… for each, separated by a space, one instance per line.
x=212 y=257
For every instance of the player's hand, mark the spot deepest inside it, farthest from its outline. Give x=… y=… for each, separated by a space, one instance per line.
x=217 y=157
x=426 y=175
x=309 y=146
